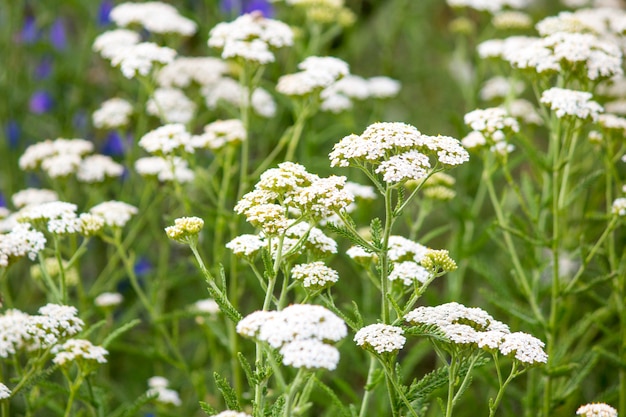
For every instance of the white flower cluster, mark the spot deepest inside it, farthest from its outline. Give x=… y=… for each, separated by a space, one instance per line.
x=578 y=53
x=54 y=324
x=171 y=105
x=409 y=272
x=291 y=187
x=31 y=196
x=207 y=306
x=301 y=332
x=491 y=6
x=154 y=16
x=140 y=58
x=58 y=217
x=230 y=91
x=114 y=213
x=159 y=387
x=63 y=157
x=5 y=392
x=112 y=114
x=167 y=140
x=394 y=149
x=21 y=241
x=13 y=332
x=475 y=327
x=108 y=43
x=231 y=413
x=381 y=337
x=596 y=410
x=490 y=127
x=108 y=299
x=573 y=103
x=619 y=207
x=524 y=110
x=314 y=275
x=219 y=134
x=317 y=73
x=165 y=169
x=501 y=87
x=250 y=37
x=78 y=350
x=511 y=19
x=612 y=122
x=182 y=71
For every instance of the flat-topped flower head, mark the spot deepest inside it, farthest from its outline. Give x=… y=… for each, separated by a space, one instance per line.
x=380 y=338
x=381 y=87
x=13 y=334
x=409 y=272
x=33 y=196
x=310 y=354
x=98 y=168
x=230 y=413
x=228 y=90
x=108 y=299
x=185 y=229
x=53 y=324
x=410 y=165
x=170 y=169
x=58 y=217
x=167 y=140
x=314 y=275
x=183 y=71
x=80 y=351
x=154 y=16
x=20 y=242
x=246 y=245
x=317 y=73
x=452 y=313
x=158 y=387
x=49 y=151
x=523 y=347
x=250 y=37
x=219 y=134
x=491 y=6
x=572 y=103
x=114 y=213
x=596 y=410
x=619 y=207
x=403 y=249
x=108 y=43
x=141 y=58
x=112 y=114
x=171 y=105
x=492 y=122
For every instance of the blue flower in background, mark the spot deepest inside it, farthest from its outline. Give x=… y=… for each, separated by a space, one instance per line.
x=44 y=69
x=142 y=267
x=247 y=6
x=30 y=32
x=103 y=12
x=13 y=132
x=3 y=200
x=40 y=102
x=114 y=145
x=58 y=37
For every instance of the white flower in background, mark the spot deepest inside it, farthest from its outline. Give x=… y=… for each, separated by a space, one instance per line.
x=171 y=105
x=310 y=354
x=314 y=275
x=112 y=114
x=208 y=306
x=36 y=155
x=78 y=350
x=53 y=324
x=140 y=58
x=524 y=110
x=228 y=90
x=114 y=213
x=108 y=299
x=165 y=169
x=619 y=206
x=381 y=337
x=230 y=413
x=492 y=122
x=563 y=22
x=474 y=140
x=167 y=139
x=250 y=37
x=383 y=87
x=246 y=245
x=490 y=6
x=501 y=87
x=316 y=73
x=97 y=168
x=182 y=71
x=33 y=196
x=524 y=347
x=13 y=334
x=109 y=42
x=58 y=217
x=351 y=86
x=219 y=134
x=611 y=121
x=409 y=272
x=154 y=16
x=616 y=107
x=21 y=241
x=511 y=19
x=5 y=392
x=596 y=410
x=158 y=386
x=571 y=103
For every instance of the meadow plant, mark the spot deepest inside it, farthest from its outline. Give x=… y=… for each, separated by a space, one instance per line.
x=218 y=239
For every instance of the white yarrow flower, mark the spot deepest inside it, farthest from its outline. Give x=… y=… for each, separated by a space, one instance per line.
x=381 y=337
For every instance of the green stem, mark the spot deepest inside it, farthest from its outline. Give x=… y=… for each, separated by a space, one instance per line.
x=384 y=257
x=368 y=387
x=59 y=258
x=293 y=389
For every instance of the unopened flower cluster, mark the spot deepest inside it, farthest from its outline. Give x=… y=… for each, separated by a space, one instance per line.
x=301 y=332
x=397 y=151
x=381 y=337
x=474 y=327
x=185 y=229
